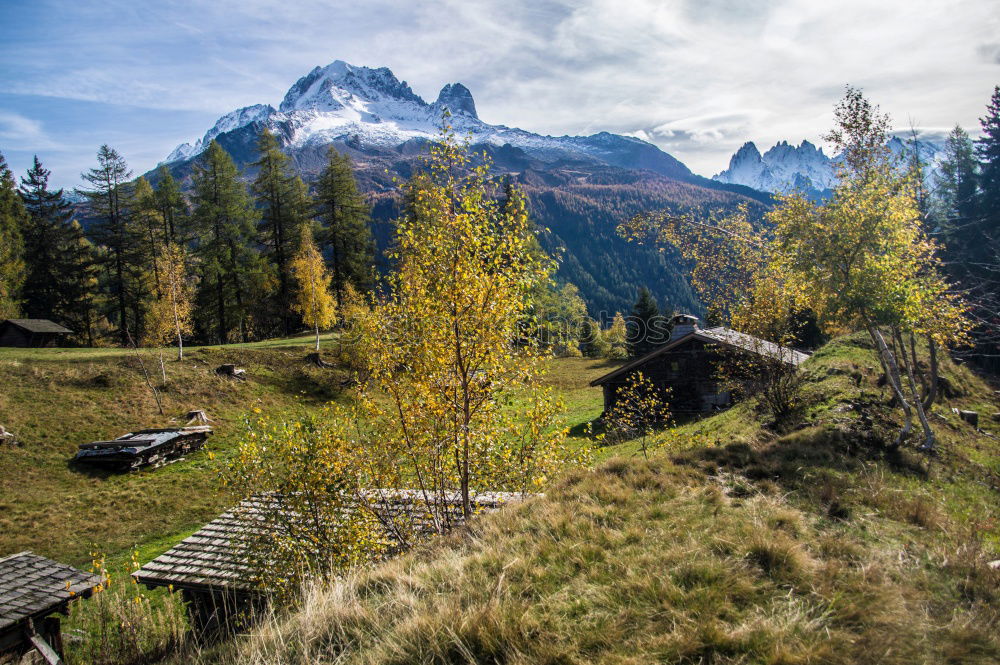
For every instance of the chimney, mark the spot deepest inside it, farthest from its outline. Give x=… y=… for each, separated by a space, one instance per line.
x=682 y=325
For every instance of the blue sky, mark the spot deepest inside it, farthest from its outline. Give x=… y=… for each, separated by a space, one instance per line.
x=696 y=77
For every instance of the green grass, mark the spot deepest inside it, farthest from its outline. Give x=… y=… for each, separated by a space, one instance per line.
x=55 y=399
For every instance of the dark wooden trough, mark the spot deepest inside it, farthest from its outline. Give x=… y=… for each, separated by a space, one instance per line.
x=143 y=448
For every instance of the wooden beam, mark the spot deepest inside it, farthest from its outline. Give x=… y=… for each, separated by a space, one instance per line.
x=48 y=653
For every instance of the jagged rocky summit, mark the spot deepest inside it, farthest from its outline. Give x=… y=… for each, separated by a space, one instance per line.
x=370 y=109
x=786 y=167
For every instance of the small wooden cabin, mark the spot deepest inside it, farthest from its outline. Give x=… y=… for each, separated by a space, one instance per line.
x=32 y=589
x=31 y=332
x=687 y=365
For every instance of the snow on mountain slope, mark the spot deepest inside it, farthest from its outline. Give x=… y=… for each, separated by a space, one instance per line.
x=782 y=168
x=786 y=167
x=371 y=108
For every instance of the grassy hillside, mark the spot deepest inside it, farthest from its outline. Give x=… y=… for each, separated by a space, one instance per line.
x=735 y=543
x=55 y=399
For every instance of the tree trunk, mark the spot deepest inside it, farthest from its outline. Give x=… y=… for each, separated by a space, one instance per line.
x=932 y=390
x=893 y=377
x=917 y=403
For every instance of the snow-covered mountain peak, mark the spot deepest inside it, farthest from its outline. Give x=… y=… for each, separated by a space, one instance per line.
x=457 y=99
x=781 y=168
x=340 y=85
x=370 y=109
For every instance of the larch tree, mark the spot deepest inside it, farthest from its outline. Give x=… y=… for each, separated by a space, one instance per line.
x=233 y=274
x=81 y=284
x=313 y=299
x=148 y=223
x=173 y=209
x=284 y=207
x=109 y=200
x=346 y=219
x=13 y=219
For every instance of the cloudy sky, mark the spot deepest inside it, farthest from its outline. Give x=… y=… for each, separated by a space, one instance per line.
x=696 y=77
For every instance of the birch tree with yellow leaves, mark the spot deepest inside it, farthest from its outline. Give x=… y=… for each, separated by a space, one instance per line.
x=314 y=299
x=451 y=345
x=169 y=315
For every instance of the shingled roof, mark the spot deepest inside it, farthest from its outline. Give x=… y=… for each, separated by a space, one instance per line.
x=39 y=326
x=718 y=335
x=32 y=587
x=214 y=558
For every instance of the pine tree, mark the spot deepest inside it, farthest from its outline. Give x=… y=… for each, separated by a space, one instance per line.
x=347 y=226
x=13 y=219
x=956 y=184
x=173 y=209
x=284 y=205
x=988 y=151
x=48 y=239
x=313 y=298
x=644 y=324
x=109 y=201
x=233 y=274
x=81 y=284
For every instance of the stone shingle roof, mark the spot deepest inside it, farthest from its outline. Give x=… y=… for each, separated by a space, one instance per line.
x=717 y=335
x=32 y=586
x=215 y=556
x=38 y=326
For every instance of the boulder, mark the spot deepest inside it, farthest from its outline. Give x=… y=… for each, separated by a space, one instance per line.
x=231 y=372
x=971 y=417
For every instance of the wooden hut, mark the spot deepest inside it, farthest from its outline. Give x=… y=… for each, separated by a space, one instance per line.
x=687 y=364
x=212 y=570
x=31 y=332
x=32 y=589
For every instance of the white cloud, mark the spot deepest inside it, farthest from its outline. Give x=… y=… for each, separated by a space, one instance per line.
x=20 y=133
x=698 y=77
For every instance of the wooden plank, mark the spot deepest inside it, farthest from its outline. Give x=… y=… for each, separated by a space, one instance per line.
x=48 y=653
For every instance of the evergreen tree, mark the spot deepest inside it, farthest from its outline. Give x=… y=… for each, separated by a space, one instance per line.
x=13 y=219
x=80 y=285
x=956 y=185
x=644 y=333
x=49 y=238
x=347 y=226
x=173 y=209
x=109 y=200
x=284 y=205
x=988 y=151
x=232 y=272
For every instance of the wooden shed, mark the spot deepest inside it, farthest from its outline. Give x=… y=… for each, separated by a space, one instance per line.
x=32 y=589
x=688 y=365
x=211 y=567
x=31 y=332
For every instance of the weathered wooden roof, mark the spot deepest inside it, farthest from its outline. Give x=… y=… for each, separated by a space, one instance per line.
x=215 y=556
x=718 y=335
x=32 y=586
x=38 y=326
